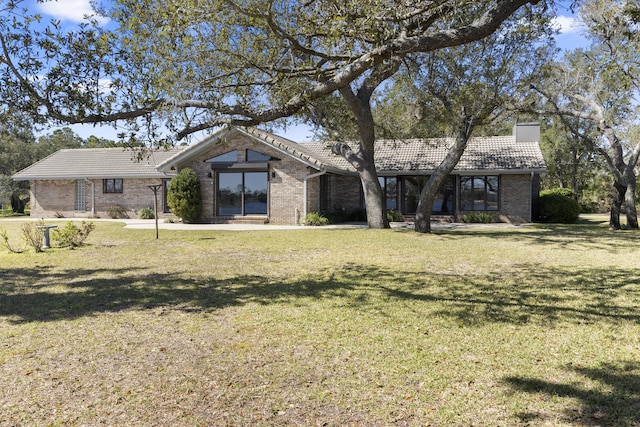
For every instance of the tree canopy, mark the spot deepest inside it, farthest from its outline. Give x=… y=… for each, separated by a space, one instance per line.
x=242 y=62
x=192 y=65
x=600 y=85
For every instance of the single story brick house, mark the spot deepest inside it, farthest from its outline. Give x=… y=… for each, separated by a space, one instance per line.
x=251 y=175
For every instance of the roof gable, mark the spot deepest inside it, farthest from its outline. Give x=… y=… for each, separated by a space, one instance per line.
x=285 y=146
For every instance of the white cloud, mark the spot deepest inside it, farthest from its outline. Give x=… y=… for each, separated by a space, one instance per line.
x=68 y=10
x=567 y=24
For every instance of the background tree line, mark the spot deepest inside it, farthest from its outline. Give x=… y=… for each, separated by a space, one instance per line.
x=19 y=148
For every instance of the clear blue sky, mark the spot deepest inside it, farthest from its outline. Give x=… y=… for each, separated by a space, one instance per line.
x=71 y=12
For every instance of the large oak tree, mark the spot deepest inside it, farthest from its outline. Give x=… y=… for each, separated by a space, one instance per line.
x=193 y=65
x=601 y=85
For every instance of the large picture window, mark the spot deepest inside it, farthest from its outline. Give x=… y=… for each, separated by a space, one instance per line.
x=112 y=185
x=479 y=193
x=411 y=188
x=242 y=193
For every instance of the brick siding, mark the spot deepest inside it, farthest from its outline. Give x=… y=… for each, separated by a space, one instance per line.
x=57 y=198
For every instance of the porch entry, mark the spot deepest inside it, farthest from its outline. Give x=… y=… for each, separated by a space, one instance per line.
x=241 y=183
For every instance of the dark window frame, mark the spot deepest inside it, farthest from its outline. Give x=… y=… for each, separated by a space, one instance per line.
x=471 y=205
x=243 y=194
x=390 y=192
x=110 y=186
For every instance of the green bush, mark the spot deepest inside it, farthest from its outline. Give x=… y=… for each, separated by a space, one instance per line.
x=478 y=218
x=71 y=235
x=558 y=206
x=146 y=213
x=567 y=192
x=394 y=216
x=183 y=196
x=315 y=218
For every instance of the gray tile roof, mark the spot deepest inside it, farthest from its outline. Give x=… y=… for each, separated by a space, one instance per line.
x=498 y=154
x=96 y=163
x=486 y=154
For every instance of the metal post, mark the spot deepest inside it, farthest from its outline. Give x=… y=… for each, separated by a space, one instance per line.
x=155 y=189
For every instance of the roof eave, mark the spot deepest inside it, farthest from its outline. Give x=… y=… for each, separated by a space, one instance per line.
x=76 y=177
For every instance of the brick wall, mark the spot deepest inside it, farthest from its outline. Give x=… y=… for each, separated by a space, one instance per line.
x=57 y=198
x=515 y=199
x=49 y=197
x=344 y=194
x=286 y=180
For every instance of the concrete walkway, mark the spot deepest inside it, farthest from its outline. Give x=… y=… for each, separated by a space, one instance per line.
x=406 y=225
x=149 y=224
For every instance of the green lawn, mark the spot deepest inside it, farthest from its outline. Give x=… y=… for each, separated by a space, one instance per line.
x=535 y=326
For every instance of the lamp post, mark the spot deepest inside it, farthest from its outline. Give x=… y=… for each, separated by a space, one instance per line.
x=155 y=189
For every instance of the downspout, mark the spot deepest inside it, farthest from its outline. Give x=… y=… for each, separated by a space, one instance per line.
x=306 y=190
x=93 y=197
x=531 y=197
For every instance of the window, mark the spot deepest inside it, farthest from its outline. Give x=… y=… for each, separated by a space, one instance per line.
x=411 y=187
x=389 y=186
x=112 y=185
x=81 y=195
x=479 y=193
x=254 y=156
x=242 y=193
x=230 y=157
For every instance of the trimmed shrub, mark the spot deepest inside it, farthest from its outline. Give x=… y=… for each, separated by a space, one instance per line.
x=72 y=236
x=478 y=218
x=567 y=192
x=394 y=215
x=183 y=196
x=558 y=207
x=315 y=218
x=146 y=213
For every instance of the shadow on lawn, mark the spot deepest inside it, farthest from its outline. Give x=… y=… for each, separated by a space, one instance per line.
x=515 y=294
x=572 y=237
x=613 y=401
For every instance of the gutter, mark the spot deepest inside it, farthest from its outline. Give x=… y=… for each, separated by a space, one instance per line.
x=531 y=197
x=306 y=190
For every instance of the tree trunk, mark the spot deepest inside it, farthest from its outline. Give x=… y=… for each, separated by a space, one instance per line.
x=376 y=209
x=630 y=202
x=630 y=196
x=18 y=204
x=616 y=205
x=425 y=207
x=428 y=193
x=364 y=160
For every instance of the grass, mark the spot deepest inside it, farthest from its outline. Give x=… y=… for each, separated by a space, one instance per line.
x=530 y=326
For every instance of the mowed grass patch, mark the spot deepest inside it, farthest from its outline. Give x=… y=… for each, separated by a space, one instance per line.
x=521 y=326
